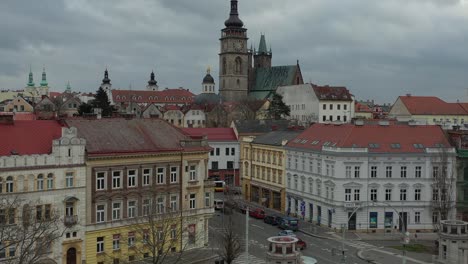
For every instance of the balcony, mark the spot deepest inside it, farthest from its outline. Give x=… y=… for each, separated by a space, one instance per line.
x=70 y=220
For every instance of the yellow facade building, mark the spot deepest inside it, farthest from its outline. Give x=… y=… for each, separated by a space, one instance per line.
x=263 y=168
x=147 y=193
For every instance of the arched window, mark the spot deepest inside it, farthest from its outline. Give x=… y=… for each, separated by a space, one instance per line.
x=140 y=98
x=50 y=181
x=118 y=97
x=9 y=184
x=134 y=97
x=123 y=97
x=40 y=182
x=238 y=62
x=150 y=98
x=224 y=66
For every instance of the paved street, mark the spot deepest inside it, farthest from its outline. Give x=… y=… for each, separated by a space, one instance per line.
x=321 y=249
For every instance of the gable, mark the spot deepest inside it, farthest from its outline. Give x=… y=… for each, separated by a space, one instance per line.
x=399 y=109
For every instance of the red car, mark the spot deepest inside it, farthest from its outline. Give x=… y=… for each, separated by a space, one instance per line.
x=257 y=213
x=301 y=244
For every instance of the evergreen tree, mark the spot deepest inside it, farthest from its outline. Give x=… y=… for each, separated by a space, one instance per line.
x=278 y=108
x=85 y=108
x=102 y=101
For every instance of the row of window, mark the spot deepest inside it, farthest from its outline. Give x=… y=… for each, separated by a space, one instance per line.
x=264 y=156
x=338 y=107
x=355 y=171
x=41 y=182
x=150 y=98
x=146 y=177
x=447 y=120
x=227 y=151
x=354 y=195
x=229 y=165
x=338 y=118
x=266 y=174
x=158 y=205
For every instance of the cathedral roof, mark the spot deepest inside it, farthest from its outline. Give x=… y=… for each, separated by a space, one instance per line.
x=208 y=78
x=268 y=79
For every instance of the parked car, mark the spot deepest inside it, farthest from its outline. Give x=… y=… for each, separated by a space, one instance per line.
x=269 y=219
x=301 y=244
x=278 y=220
x=257 y=213
x=286 y=233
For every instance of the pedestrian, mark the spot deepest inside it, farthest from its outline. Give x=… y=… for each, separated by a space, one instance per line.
x=415 y=236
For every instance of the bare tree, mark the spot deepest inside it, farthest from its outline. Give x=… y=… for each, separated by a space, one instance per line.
x=161 y=235
x=229 y=241
x=27 y=230
x=443 y=188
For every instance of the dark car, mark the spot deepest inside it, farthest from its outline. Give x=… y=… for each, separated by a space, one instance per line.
x=269 y=219
x=301 y=244
x=278 y=220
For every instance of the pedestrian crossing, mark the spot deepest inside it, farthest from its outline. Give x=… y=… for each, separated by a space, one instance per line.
x=358 y=244
x=242 y=259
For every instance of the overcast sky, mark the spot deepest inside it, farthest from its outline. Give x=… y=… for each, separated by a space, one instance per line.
x=379 y=49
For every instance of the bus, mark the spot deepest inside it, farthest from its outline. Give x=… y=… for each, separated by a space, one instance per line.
x=219 y=186
x=289 y=223
x=218 y=204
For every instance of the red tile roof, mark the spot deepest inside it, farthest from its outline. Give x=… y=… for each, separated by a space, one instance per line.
x=117 y=136
x=174 y=96
x=24 y=116
x=362 y=108
x=213 y=134
x=54 y=94
x=431 y=105
x=29 y=137
x=335 y=93
x=171 y=107
x=350 y=135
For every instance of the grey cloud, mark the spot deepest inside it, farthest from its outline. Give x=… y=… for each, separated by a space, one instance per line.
x=379 y=49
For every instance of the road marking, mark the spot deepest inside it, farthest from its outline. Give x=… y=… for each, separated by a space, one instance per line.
x=258 y=226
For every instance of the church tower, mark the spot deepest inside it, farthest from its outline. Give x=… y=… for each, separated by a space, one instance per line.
x=107 y=86
x=152 y=83
x=208 y=84
x=44 y=88
x=233 y=58
x=262 y=58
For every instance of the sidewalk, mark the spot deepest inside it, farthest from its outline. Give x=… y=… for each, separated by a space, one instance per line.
x=381 y=256
x=194 y=256
x=324 y=232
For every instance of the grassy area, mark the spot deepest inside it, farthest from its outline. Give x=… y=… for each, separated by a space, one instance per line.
x=414 y=248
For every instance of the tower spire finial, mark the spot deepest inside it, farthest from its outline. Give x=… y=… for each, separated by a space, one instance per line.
x=234 y=20
x=44 y=77
x=208 y=70
x=30 y=80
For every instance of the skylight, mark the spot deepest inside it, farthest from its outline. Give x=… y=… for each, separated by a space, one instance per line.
x=315 y=142
x=304 y=141
x=418 y=146
x=374 y=145
x=439 y=145
x=326 y=143
x=297 y=140
x=395 y=145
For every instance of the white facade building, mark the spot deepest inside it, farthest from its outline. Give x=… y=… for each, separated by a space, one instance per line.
x=224 y=158
x=49 y=178
x=323 y=104
x=194 y=117
x=383 y=173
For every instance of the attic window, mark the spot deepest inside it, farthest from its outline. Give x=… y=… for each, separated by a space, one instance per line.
x=315 y=142
x=183 y=98
x=297 y=140
x=333 y=144
x=326 y=143
x=374 y=145
x=139 y=98
x=150 y=98
x=123 y=97
x=418 y=146
x=304 y=141
x=118 y=97
x=395 y=145
x=439 y=145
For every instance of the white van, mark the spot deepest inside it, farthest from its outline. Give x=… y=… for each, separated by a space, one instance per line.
x=218 y=204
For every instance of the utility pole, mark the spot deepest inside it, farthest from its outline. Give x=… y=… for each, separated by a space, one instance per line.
x=247 y=233
x=343 y=258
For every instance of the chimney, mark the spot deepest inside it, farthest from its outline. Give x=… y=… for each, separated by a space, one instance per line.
x=98 y=112
x=408 y=94
x=7 y=119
